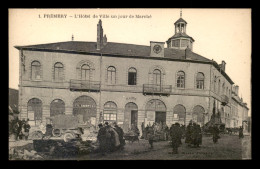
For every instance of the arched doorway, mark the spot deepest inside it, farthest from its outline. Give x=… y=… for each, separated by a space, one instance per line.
x=156 y=111
x=198 y=115
x=86 y=109
x=181 y=113
x=131 y=115
x=57 y=107
x=34 y=110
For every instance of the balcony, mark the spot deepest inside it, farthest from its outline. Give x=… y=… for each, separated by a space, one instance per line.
x=84 y=85
x=224 y=100
x=153 y=89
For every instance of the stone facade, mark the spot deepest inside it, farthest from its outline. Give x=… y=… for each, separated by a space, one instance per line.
x=216 y=85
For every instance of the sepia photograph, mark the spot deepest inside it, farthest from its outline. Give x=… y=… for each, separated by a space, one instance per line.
x=129 y=84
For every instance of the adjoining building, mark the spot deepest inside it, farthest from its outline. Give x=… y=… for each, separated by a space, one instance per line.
x=127 y=83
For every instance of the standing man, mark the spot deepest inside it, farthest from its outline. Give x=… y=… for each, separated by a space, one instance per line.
x=215 y=134
x=241 y=135
x=120 y=133
x=150 y=136
x=188 y=134
x=26 y=128
x=176 y=134
x=102 y=139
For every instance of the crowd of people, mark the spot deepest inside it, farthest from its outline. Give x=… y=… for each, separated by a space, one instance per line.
x=110 y=137
x=19 y=129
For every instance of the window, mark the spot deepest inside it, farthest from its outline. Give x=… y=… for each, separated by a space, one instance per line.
x=180 y=79
x=223 y=88
x=132 y=76
x=214 y=81
x=36 y=70
x=176 y=43
x=200 y=81
x=157 y=77
x=34 y=110
x=110 y=111
x=111 y=75
x=181 y=111
x=85 y=72
x=58 y=72
x=57 y=107
x=184 y=43
x=218 y=86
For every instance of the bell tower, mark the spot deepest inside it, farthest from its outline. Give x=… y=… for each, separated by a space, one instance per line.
x=180 y=40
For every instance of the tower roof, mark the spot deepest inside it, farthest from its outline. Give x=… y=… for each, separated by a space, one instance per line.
x=180 y=20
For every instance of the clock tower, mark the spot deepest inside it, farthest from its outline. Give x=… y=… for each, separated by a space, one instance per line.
x=180 y=40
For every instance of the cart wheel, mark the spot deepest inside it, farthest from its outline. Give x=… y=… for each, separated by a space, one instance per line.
x=68 y=137
x=56 y=132
x=37 y=135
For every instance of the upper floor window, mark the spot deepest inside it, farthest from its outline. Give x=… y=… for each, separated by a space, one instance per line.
x=181 y=79
x=36 y=70
x=157 y=77
x=218 y=86
x=132 y=76
x=214 y=81
x=58 y=71
x=200 y=81
x=111 y=75
x=223 y=88
x=85 y=72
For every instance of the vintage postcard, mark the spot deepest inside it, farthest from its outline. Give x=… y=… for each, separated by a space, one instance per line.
x=129 y=84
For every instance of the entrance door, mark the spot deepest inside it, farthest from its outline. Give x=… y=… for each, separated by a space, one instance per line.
x=134 y=117
x=160 y=117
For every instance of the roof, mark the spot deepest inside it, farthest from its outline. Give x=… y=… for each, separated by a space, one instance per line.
x=112 y=48
x=178 y=35
x=180 y=20
x=120 y=50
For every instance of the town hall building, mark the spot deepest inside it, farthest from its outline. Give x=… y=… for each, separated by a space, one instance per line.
x=124 y=83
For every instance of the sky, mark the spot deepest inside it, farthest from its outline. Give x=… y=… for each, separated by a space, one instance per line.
x=219 y=34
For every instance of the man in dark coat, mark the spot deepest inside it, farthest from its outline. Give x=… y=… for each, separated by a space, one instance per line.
x=150 y=135
x=197 y=136
x=103 y=139
x=176 y=134
x=120 y=133
x=26 y=128
x=241 y=135
x=188 y=134
x=215 y=132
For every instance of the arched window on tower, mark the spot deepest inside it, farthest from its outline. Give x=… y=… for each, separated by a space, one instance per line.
x=200 y=81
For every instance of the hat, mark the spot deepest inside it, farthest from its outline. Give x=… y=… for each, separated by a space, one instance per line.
x=100 y=124
x=106 y=123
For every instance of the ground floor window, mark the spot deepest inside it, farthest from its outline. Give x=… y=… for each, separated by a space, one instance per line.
x=34 y=110
x=110 y=112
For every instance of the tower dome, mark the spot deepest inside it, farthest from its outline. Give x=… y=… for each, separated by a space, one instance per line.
x=180 y=40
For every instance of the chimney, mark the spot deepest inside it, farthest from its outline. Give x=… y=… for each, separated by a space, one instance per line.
x=187 y=52
x=237 y=90
x=223 y=65
x=99 y=35
x=104 y=40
